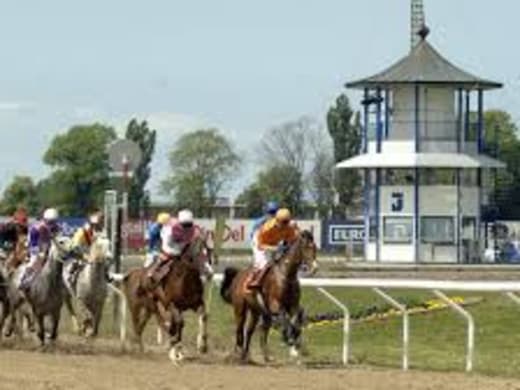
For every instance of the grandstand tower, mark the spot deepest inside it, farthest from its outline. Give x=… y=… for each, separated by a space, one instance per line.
x=423 y=157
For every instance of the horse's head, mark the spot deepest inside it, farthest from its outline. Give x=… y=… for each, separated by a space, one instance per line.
x=308 y=250
x=60 y=249
x=100 y=250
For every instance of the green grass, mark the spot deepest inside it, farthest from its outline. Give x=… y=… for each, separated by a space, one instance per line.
x=437 y=339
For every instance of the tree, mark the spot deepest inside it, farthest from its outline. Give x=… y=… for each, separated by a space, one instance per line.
x=22 y=192
x=202 y=163
x=501 y=140
x=80 y=162
x=280 y=183
x=345 y=130
x=143 y=136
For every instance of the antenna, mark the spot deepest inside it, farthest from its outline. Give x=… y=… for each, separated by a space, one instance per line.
x=417 y=22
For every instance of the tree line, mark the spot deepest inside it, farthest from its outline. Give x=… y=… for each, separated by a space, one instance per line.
x=297 y=160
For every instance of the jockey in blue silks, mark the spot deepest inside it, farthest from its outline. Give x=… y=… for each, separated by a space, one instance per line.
x=270 y=212
x=154 y=238
x=40 y=236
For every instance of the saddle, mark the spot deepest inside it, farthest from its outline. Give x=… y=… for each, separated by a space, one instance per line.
x=158 y=272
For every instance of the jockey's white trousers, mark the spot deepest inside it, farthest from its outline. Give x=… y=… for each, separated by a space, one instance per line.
x=261 y=258
x=32 y=259
x=150 y=258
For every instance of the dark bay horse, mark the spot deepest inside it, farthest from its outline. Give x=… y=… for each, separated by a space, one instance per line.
x=279 y=298
x=183 y=290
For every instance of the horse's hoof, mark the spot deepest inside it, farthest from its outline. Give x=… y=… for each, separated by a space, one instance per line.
x=294 y=353
x=268 y=359
x=203 y=349
x=175 y=355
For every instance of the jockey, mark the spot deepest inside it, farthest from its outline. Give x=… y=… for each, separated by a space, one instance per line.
x=270 y=212
x=40 y=236
x=81 y=242
x=176 y=238
x=10 y=231
x=270 y=240
x=154 y=238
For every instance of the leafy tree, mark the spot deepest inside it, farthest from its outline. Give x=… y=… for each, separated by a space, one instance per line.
x=501 y=140
x=80 y=162
x=345 y=130
x=22 y=192
x=281 y=183
x=202 y=163
x=143 y=136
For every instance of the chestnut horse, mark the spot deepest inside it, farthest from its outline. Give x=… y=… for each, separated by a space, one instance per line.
x=183 y=290
x=278 y=297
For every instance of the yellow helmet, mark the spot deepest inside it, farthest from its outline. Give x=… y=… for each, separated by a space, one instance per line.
x=283 y=215
x=163 y=218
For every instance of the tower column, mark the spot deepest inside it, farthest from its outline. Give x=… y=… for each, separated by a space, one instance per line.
x=416 y=212
x=379 y=137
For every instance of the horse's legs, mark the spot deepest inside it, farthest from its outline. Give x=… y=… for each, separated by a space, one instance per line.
x=202 y=338
x=240 y=320
x=41 y=329
x=97 y=318
x=264 y=335
x=73 y=315
x=139 y=323
x=176 y=327
x=251 y=326
x=55 y=317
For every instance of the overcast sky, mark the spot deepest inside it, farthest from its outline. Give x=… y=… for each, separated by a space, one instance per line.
x=240 y=65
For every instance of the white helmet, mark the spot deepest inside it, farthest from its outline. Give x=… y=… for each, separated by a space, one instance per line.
x=95 y=219
x=185 y=217
x=50 y=215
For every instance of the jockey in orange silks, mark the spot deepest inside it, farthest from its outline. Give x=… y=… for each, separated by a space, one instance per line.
x=273 y=237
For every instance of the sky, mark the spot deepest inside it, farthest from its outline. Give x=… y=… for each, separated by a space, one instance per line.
x=241 y=66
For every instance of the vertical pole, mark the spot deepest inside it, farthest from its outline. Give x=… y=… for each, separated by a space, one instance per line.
x=458 y=219
x=467 y=119
x=379 y=138
x=480 y=147
x=480 y=122
x=387 y=113
x=459 y=119
x=366 y=184
x=416 y=215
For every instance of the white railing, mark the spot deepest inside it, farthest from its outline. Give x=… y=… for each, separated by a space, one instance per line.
x=509 y=288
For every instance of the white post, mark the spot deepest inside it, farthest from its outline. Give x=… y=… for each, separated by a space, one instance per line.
x=406 y=331
x=515 y=298
x=122 y=318
x=471 y=327
x=346 y=323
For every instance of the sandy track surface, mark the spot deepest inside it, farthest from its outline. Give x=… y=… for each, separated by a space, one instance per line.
x=56 y=371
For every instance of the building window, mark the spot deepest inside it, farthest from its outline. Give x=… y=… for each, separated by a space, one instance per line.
x=469 y=230
x=437 y=230
x=438 y=177
x=398 y=230
x=398 y=177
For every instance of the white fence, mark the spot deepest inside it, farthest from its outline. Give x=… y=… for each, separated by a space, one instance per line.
x=381 y=287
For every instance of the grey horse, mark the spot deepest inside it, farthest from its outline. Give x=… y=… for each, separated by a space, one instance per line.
x=45 y=292
x=90 y=290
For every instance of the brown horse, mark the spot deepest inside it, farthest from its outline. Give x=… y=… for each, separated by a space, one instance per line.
x=277 y=299
x=182 y=290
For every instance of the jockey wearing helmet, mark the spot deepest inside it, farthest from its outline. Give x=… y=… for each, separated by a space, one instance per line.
x=40 y=236
x=178 y=236
x=271 y=239
x=270 y=212
x=154 y=238
x=81 y=243
x=11 y=230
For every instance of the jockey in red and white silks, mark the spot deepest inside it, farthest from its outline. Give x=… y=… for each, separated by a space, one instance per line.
x=181 y=233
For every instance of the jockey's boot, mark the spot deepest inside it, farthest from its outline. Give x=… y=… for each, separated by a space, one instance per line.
x=108 y=277
x=256 y=279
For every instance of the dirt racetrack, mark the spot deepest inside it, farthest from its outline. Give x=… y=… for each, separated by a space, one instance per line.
x=20 y=370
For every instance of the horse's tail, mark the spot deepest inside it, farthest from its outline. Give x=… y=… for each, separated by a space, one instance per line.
x=225 y=288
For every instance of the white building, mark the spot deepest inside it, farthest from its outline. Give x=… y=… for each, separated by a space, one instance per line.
x=423 y=160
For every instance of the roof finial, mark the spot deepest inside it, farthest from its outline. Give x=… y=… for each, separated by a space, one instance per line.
x=424 y=32
x=417 y=22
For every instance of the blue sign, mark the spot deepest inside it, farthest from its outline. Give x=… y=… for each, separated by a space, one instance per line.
x=340 y=233
x=397 y=202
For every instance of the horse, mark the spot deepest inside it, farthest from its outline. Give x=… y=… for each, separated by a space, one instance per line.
x=90 y=290
x=183 y=290
x=45 y=292
x=277 y=298
x=13 y=270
